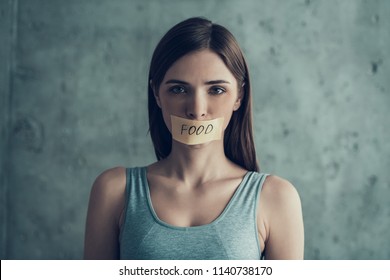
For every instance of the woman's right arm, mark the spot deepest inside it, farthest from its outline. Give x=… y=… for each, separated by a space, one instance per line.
x=106 y=203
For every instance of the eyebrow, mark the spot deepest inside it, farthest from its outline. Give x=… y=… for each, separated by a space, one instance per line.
x=213 y=82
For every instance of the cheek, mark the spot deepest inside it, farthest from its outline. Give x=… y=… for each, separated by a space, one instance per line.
x=168 y=108
x=227 y=120
x=167 y=119
x=228 y=111
x=223 y=109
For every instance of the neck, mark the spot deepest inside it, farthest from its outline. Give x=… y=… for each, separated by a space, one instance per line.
x=197 y=164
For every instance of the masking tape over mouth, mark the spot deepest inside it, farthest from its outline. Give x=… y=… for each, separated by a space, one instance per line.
x=193 y=132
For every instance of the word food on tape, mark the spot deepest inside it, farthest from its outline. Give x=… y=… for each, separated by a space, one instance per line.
x=193 y=132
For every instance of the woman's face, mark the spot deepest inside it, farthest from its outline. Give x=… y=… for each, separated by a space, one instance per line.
x=198 y=86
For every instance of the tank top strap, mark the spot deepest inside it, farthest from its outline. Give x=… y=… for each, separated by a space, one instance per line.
x=135 y=185
x=244 y=203
x=250 y=188
x=136 y=210
x=240 y=219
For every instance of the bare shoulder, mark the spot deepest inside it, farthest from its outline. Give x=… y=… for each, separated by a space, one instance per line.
x=110 y=182
x=115 y=174
x=281 y=215
x=279 y=199
x=279 y=192
x=106 y=203
x=108 y=191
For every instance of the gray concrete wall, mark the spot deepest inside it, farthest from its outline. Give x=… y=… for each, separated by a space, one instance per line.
x=76 y=101
x=7 y=35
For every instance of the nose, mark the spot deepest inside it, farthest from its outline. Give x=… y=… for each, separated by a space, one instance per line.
x=196 y=107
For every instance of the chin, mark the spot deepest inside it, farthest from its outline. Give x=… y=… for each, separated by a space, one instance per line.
x=196 y=146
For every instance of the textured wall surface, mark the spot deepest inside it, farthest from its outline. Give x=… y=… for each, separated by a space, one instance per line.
x=76 y=100
x=6 y=59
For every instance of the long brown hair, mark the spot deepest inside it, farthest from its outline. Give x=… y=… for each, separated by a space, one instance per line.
x=191 y=35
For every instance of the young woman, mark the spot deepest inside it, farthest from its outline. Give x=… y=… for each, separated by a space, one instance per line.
x=204 y=198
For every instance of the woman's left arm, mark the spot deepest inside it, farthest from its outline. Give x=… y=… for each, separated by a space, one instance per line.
x=283 y=220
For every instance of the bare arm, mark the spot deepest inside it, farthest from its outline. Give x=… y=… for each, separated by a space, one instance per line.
x=105 y=206
x=283 y=220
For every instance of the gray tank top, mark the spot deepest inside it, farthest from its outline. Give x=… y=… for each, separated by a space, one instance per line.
x=233 y=235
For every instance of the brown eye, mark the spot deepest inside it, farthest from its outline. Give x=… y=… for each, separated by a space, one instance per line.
x=217 y=90
x=177 y=89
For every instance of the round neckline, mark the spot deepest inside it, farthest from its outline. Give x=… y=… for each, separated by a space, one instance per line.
x=165 y=224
